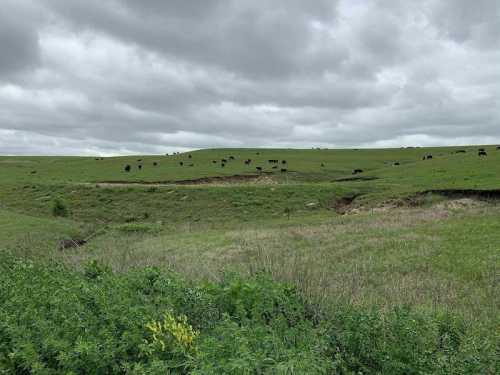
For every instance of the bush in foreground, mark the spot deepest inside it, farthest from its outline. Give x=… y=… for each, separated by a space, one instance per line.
x=57 y=321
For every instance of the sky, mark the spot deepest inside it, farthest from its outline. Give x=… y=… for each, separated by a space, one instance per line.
x=115 y=77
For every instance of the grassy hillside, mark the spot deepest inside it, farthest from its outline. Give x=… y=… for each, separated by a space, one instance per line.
x=340 y=273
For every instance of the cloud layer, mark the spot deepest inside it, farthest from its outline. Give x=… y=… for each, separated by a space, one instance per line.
x=116 y=77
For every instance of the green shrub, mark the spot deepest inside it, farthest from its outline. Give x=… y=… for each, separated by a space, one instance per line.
x=57 y=321
x=59 y=208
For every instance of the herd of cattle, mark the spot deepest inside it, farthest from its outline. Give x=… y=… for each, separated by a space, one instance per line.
x=275 y=162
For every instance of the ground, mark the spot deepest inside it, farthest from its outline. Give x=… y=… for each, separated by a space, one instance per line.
x=424 y=233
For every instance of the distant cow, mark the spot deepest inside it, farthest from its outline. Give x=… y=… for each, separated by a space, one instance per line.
x=181 y=163
x=33 y=172
x=396 y=164
x=70 y=243
x=223 y=160
x=481 y=149
x=223 y=165
x=189 y=156
x=214 y=161
x=482 y=153
x=139 y=166
x=322 y=165
x=248 y=161
x=231 y=158
x=273 y=161
x=155 y=163
x=283 y=162
x=427 y=157
x=139 y=159
x=127 y=168
x=275 y=167
x=356 y=171
x=460 y=152
x=259 y=169
x=284 y=170
x=498 y=147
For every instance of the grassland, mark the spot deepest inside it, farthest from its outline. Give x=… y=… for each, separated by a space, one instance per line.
x=361 y=244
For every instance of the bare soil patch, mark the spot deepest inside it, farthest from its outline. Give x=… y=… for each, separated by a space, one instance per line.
x=262 y=179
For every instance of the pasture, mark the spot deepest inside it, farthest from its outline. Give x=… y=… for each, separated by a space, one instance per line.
x=405 y=246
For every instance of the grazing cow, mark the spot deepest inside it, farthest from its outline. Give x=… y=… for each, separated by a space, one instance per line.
x=155 y=163
x=460 y=152
x=482 y=153
x=283 y=162
x=127 y=168
x=396 y=164
x=231 y=158
x=356 y=171
x=322 y=165
x=284 y=170
x=223 y=160
x=139 y=159
x=259 y=169
x=139 y=166
x=275 y=167
x=33 y=172
x=257 y=153
x=248 y=161
x=223 y=165
x=181 y=163
x=481 y=149
x=68 y=244
x=427 y=157
x=214 y=161
x=189 y=156
x=498 y=147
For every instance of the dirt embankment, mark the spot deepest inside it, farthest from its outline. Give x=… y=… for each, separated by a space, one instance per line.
x=261 y=179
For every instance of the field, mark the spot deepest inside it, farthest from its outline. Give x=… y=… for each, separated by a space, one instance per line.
x=299 y=269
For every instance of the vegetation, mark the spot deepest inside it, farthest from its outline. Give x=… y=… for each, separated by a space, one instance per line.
x=309 y=271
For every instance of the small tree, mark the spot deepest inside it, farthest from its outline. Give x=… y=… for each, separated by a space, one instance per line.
x=59 y=208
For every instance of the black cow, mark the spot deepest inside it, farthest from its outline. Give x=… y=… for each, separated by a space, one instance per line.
x=223 y=165
x=181 y=163
x=283 y=162
x=275 y=167
x=482 y=153
x=322 y=165
x=139 y=166
x=155 y=163
x=259 y=169
x=248 y=161
x=427 y=157
x=498 y=147
x=231 y=158
x=460 y=152
x=481 y=149
x=139 y=159
x=127 y=168
x=33 y=172
x=214 y=161
x=396 y=163
x=284 y=170
x=223 y=160
x=356 y=171
x=189 y=156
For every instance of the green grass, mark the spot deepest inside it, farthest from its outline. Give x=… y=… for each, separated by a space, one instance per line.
x=394 y=250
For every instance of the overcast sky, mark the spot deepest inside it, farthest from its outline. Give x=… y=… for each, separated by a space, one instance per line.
x=114 y=77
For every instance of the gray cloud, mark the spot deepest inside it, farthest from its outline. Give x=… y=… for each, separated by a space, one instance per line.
x=114 y=77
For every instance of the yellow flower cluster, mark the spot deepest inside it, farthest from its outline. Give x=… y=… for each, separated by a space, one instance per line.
x=171 y=326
